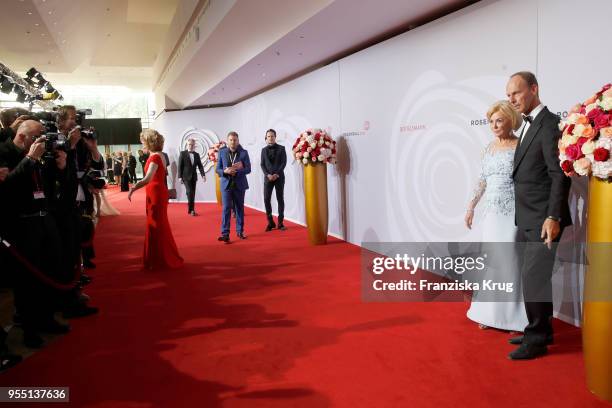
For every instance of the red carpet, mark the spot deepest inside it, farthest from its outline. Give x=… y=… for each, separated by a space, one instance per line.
x=260 y=323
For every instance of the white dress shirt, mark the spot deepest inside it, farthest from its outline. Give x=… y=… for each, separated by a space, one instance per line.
x=534 y=113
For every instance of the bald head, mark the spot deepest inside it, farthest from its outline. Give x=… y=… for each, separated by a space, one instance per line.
x=27 y=132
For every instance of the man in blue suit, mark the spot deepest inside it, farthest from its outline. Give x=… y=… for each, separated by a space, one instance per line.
x=233 y=166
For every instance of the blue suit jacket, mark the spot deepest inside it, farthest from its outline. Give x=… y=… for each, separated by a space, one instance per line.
x=224 y=162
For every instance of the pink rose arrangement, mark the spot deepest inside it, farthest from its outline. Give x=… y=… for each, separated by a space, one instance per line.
x=586 y=141
x=212 y=152
x=314 y=146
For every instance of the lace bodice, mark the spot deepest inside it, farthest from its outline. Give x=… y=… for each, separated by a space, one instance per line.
x=495 y=186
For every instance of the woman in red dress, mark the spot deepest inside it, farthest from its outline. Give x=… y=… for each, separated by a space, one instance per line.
x=160 y=250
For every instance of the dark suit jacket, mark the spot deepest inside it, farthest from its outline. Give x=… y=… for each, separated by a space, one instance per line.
x=240 y=177
x=541 y=189
x=186 y=170
x=273 y=161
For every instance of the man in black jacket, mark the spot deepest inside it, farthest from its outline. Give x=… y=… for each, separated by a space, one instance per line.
x=33 y=185
x=132 y=167
x=273 y=162
x=189 y=162
x=541 y=210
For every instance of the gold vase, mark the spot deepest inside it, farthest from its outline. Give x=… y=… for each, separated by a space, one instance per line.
x=218 y=185
x=315 y=194
x=597 y=317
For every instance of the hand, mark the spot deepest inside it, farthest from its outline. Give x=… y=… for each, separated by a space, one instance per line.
x=37 y=149
x=181 y=180
x=91 y=143
x=60 y=160
x=203 y=177
x=4 y=171
x=550 y=231
x=469 y=217
x=130 y=194
x=230 y=171
x=276 y=176
x=74 y=136
x=270 y=177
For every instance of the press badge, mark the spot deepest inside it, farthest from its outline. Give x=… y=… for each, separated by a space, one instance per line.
x=39 y=195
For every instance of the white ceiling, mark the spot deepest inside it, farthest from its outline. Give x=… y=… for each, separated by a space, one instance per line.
x=85 y=42
x=245 y=46
x=255 y=45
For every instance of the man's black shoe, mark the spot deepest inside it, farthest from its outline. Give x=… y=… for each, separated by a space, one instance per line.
x=51 y=326
x=85 y=279
x=281 y=227
x=224 y=238
x=270 y=227
x=241 y=235
x=519 y=340
x=88 y=264
x=8 y=360
x=528 y=352
x=32 y=340
x=80 y=310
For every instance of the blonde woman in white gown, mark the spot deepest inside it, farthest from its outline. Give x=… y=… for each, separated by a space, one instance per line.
x=495 y=191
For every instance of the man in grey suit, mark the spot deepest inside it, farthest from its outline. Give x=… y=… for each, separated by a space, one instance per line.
x=189 y=162
x=541 y=210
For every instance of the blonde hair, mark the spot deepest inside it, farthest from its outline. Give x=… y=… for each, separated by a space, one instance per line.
x=153 y=140
x=506 y=109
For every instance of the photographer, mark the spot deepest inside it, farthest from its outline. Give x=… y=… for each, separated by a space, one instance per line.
x=29 y=194
x=10 y=119
x=76 y=212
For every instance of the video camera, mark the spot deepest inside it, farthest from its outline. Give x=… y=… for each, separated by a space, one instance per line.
x=80 y=117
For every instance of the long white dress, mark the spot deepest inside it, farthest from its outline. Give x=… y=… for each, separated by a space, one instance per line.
x=496 y=192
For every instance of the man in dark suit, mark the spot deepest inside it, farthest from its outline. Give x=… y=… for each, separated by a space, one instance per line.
x=132 y=167
x=232 y=167
x=273 y=162
x=189 y=161
x=542 y=211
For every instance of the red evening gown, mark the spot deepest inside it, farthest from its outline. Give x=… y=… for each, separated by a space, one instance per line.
x=160 y=250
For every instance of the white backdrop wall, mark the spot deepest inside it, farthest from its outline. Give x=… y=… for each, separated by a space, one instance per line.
x=409 y=118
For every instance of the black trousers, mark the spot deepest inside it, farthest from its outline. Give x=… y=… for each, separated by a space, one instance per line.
x=37 y=239
x=190 y=189
x=536 y=263
x=279 y=185
x=132 y=172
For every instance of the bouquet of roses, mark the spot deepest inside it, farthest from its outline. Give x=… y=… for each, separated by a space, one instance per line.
x=314 y=146
x=212 y=152
x=586 y=143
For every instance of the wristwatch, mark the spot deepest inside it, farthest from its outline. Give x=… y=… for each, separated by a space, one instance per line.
x=550 y=217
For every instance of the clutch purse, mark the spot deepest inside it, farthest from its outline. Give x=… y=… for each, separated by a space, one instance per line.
x=172 y=193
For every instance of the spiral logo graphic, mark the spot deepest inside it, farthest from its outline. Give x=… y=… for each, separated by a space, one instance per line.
x=204 y=140
x=434 y=156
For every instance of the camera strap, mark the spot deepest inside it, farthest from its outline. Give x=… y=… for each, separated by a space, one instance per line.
x=38 y=192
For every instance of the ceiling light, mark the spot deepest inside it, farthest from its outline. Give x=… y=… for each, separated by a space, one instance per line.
x=36 y=24
x=50 y=12
x=29 y=13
